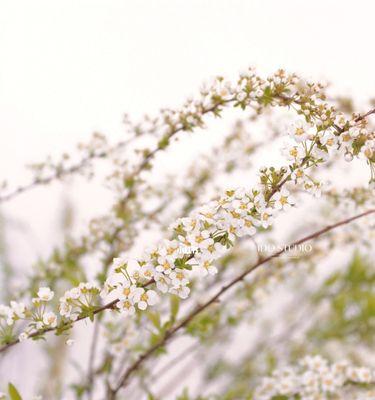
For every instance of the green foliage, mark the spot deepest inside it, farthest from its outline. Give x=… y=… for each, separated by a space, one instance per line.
x=175 y=306
x=79 y=390
x=154 y=317
x=164 y=142
x=185 y=396
x=13 y=392
x=204 y=324
x=352 y=303
x=267 y=96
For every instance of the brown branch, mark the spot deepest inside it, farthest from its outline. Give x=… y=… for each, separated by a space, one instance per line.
x=185 y=321
x=363 y=116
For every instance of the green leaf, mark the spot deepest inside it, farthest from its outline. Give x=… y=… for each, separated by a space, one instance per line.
x=154 y=317
x=91 y=315
x=13 y=392
x=129 y=182
x=267 y=96
x=164 y=142
x=175 y=306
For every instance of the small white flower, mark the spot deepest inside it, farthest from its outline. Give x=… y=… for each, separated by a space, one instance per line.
x=315 y=188
x=300 y=131
x=283 y=200
x=319 y=154
x=310 y=381
x=168 y=248
x=74 y=293
x=50 y=319
x=178 y=277
x=348 y=156
x=23 y=336
x=182 y=291
x=114 y=280
x=201 y=239
x=45 y=294
x=340 y=120
x=328 y=382
x=145 y=298
x=203 y=264
x=329 y=139
x=215 y=251
x=126 y=291
x=368 y=149
x=266 y=217
x=126 y=306
x=298 y=175
x=69 y=342
x=363 y=375
x=315 y=363
x=354 y=132
x=162 y=282
x=119 y=262
x=206 y=268
x=257 y=201
x=65 y=309
x=189 y=224
x=147 y=272
x=165 y=265
x=18 y=309
x=294 y=153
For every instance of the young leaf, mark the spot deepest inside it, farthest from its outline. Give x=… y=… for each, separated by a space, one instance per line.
x=175 y=305
x=13 y=392
x=154 y=317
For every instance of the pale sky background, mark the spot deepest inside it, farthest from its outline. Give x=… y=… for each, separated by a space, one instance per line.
x=68 y=68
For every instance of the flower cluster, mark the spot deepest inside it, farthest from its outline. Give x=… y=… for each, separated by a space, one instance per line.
x=37 y=315
x=81 y=299
x=314 y=378
x=198 y=241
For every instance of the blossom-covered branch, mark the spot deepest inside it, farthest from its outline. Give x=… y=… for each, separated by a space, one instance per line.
x=203 y=237
x=201 y=307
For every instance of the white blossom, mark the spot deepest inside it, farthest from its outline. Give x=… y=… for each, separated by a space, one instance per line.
x=45 y=294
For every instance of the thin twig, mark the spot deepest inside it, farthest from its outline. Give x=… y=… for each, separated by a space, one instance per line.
x=74 y=168
x=62 y=172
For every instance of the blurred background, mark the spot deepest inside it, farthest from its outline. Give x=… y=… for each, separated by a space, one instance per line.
x=69 y=68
